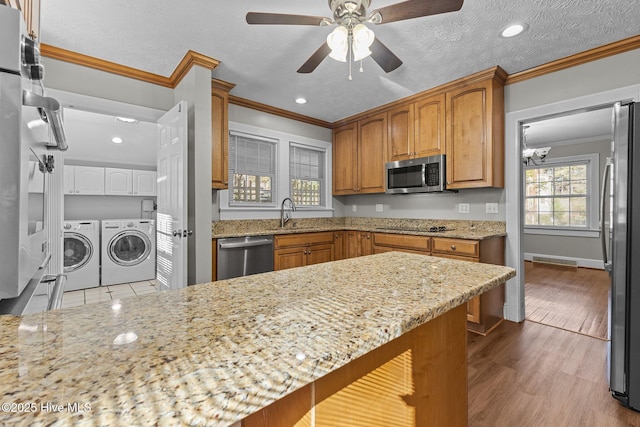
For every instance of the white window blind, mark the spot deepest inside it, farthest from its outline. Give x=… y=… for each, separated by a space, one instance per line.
x=306 y=176
x=252 y=170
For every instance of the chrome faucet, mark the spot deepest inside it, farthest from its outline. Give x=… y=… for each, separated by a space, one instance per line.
x=284 y=217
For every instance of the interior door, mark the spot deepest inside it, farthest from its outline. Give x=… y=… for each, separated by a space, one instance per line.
x=171 y=224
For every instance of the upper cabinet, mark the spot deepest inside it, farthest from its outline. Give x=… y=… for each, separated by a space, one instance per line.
x=416 y=129
x=345 y=159
x=400 y=133
x=429 y=126
x=129 y=182
x=463 y=119
x=359 y=156
x=475 y=134
x=372 y=143
x=83 y=180
x=220 y=134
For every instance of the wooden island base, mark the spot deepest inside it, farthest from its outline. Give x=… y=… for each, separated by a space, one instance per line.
x=418 y=379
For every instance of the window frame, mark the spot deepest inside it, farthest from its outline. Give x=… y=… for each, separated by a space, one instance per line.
x=323 y=186
x=592 y=229
x=274 y=183
x=251 y=211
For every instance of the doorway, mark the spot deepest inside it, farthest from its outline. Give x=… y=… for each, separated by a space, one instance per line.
x=93 y=126
x=514 y=212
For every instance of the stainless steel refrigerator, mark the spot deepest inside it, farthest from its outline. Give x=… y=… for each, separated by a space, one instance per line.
x=621 y=250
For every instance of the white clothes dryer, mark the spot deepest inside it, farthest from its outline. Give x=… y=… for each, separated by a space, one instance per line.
x=128 y=250
x=81 y=254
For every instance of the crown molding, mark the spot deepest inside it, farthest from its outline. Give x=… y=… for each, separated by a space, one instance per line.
x=610 y=49
x=190 y=59
x=242 y=102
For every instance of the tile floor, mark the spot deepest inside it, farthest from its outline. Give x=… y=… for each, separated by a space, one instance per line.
x=107 y=293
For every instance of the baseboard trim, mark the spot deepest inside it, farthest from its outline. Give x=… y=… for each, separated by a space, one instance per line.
x=582 y=262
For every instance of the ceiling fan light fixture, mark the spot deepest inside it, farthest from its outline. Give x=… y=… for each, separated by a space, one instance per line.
x=362 y=40
x=338 y=43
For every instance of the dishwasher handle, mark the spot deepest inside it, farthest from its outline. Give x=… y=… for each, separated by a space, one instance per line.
x=248 y=244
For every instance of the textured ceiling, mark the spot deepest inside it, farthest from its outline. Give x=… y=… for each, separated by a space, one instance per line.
x=154 y=35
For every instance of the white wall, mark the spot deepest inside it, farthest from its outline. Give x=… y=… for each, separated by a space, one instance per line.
x=77 y=79
x=104 y=207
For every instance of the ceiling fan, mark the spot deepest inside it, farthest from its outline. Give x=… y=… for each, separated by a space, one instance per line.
x=351 y=37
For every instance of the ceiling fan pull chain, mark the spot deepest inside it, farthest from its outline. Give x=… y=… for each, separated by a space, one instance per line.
x=349 y=53
x=361 y=69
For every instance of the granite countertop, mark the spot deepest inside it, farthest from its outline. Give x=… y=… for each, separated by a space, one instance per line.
x=457 y=229
x=214 y=353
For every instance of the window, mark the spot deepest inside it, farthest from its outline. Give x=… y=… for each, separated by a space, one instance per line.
x=252 y=170
x=306 y=176
x=562 y=193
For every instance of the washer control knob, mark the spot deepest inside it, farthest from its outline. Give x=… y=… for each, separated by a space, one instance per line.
x=67 y=226
x=130 y=224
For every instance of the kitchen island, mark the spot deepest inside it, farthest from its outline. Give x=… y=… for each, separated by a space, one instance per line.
x=311 y=344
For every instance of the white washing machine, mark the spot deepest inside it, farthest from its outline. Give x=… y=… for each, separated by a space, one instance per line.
x=81 y=254
x=128 y=250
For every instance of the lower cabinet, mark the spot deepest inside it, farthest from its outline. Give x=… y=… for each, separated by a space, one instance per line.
x=358 y=243
x=339 y=245
x=484 y=312
x=387 y=242
x=297 y=250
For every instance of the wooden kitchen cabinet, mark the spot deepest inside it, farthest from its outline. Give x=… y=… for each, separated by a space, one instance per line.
x=387 y=242
x=372 y=143
x=400 y=133
x=417 y=130
x=430 y=126
x=475 y=134
x=484 y=312
x=339 y=245
x=297 y=250
x=220 y=134
x=358 y=243
x=345 y=159
x=359 y=156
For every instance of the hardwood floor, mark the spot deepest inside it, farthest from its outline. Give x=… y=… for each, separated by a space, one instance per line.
x=567 y=298
x=529 y=374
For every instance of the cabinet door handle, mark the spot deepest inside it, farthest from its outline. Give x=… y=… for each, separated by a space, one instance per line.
x=453 y=247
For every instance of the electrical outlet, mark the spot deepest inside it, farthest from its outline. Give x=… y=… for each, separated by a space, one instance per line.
x=463 y=208
x=354 y=208
x=491 y=208
x=379 y=207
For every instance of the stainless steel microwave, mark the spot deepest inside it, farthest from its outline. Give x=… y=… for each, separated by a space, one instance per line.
x=422 y=175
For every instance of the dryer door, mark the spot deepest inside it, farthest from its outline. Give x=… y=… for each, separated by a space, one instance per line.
x=129 y=248
x=78 y=250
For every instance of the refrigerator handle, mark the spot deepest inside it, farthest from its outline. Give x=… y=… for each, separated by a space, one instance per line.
x=603 y=206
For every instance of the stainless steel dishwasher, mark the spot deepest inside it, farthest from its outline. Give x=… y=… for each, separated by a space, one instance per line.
x=242 y=256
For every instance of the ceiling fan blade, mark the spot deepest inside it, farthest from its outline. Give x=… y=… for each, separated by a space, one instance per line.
x=386 y=59
x=315 y=59
x=413 y=9
x=283 y=19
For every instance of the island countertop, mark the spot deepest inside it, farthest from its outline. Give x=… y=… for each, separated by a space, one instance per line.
x=212 y=354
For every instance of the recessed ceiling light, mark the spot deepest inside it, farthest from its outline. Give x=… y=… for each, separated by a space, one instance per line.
x=301 y=100
x=513 y=30
x=127 y=120
x=117 y=140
